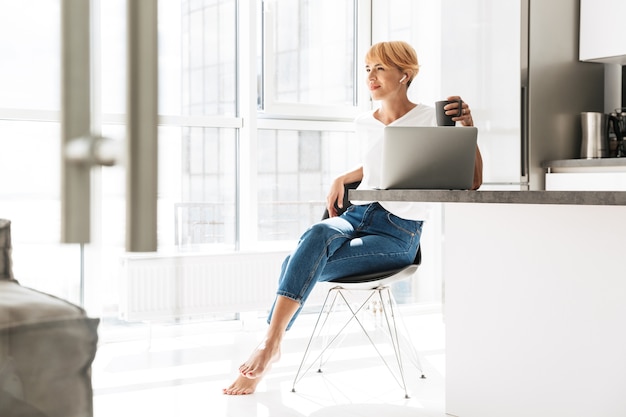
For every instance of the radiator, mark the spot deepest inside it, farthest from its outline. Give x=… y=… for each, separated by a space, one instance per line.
x=191 y=286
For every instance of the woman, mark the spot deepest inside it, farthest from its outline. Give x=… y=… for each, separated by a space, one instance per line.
x=368 y=235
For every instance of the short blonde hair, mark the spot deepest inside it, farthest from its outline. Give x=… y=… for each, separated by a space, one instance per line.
x=397 y=54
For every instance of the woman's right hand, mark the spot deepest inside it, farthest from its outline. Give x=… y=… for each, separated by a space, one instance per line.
x=337 y=190
x=335 y=195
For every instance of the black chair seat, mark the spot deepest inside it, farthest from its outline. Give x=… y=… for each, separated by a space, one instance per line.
x=369 y=277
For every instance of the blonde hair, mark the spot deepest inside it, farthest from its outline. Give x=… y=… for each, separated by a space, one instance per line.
x=397 y=54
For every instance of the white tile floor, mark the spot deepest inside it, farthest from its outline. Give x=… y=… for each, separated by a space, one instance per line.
x=180 y=370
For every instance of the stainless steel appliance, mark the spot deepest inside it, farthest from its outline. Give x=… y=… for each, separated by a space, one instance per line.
x=595 y=131
x=603 y=134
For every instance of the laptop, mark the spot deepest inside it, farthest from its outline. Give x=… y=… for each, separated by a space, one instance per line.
x=429 y=158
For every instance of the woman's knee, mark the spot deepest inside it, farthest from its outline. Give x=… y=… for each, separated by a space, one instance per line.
x=322 y=231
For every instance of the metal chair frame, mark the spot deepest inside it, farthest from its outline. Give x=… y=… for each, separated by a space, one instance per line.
x=379 y=290
x=378 y=283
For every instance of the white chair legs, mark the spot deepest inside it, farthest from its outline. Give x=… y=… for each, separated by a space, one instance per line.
x=403 y=349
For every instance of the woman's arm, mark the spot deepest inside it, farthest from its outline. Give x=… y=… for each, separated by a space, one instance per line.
x=337 y=190
x=478 y=170
x=466 y=120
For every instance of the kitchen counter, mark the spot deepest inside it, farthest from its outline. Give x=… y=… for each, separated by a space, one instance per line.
x=534 y=291
x=593 y=198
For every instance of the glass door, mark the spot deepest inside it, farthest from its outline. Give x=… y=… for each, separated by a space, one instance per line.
x=30 y=147
x=64 y=206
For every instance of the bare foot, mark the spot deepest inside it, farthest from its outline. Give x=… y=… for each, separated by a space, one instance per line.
x=242 y=386
x=251 y=372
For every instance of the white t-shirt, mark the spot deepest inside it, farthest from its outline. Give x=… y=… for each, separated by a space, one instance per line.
x=371 y=129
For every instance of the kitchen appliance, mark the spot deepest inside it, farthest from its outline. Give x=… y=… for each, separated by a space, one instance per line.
x=617 y=148
x=595 y=134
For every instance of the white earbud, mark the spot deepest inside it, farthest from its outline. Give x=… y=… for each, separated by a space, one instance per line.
x=403 y=78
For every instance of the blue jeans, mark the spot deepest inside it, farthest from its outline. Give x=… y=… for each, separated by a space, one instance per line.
x=364 y=239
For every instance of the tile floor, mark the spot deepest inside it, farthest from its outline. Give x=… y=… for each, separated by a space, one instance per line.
x=179 y=370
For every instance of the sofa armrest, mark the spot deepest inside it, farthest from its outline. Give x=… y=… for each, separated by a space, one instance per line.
x=47 y=346
x=50 y=345
x=6 y=271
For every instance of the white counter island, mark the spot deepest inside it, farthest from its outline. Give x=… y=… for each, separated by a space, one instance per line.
x=535 y=301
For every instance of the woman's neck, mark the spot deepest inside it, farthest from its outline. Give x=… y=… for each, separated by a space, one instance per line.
x=390 y=112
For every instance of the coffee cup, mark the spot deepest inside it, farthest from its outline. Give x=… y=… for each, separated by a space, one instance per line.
x=442 y=118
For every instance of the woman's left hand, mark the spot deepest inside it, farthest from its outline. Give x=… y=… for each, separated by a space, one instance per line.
x=466 y=114
x=466 y=120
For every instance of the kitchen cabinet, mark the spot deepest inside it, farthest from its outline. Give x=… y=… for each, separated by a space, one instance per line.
x=586 y=181
x=602 y=31
x=604 y=174
x=534 y=307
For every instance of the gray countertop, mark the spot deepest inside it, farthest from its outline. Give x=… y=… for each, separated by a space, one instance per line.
x=593 y=198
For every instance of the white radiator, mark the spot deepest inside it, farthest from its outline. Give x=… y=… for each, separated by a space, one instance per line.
x=189 y=286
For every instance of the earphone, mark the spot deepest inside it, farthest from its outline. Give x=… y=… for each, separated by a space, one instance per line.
x=402 y=79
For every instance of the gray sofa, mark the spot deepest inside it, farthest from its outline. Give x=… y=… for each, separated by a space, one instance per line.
x=47 y=346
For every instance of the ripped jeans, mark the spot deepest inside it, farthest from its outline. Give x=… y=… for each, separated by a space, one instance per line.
x=366 y=238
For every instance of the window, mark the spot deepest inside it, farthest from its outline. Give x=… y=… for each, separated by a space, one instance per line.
x=311 y=72
x=209 y=56
x=251 y=133
x=295 y=169
x=206 y=213
x=310 y=58
x=30 y=59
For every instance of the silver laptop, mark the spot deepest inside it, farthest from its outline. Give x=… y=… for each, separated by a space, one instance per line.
x=430 y=158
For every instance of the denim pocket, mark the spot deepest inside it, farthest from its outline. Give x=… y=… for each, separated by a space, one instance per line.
x=411 y=227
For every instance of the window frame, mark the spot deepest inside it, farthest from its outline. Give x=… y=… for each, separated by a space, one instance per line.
x=274 y=109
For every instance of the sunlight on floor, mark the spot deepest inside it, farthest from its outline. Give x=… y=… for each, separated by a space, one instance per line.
x=167 y=369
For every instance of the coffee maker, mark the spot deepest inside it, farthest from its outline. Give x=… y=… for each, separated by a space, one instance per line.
x=616 y=132
x=602 y=134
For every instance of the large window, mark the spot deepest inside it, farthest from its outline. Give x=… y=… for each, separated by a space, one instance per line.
x=256 y=102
